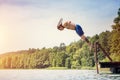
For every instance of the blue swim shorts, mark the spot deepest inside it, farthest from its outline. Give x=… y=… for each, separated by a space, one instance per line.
x=79 y=30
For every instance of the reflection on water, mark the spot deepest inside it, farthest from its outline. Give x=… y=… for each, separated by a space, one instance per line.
x=55 y=75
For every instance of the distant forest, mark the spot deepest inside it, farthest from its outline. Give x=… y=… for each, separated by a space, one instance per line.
x=73 y=56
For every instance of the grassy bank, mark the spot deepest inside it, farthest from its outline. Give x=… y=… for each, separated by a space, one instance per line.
x=56 y=68
x=64 y=68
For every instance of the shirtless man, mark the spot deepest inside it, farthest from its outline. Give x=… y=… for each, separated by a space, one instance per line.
x=76 y=27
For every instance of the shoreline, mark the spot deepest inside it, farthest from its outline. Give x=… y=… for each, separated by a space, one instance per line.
x=52 y=68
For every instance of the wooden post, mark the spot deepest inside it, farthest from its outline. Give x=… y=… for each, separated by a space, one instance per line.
x=96 y=58
x=96 y=46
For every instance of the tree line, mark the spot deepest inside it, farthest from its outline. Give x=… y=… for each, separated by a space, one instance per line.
x=73 y=56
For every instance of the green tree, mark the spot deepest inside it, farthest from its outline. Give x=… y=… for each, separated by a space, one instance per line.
x=94 y=38
x=60 y=59
x=104 y=41
x=76 y=64
x=68 y=63
x=54 y=63
x=115 y=38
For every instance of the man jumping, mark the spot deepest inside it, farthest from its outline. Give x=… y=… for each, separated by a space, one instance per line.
x=72 y=26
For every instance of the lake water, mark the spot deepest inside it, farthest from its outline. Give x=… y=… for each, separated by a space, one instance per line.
x=56 y=75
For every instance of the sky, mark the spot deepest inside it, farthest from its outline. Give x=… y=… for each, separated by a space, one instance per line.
x=28 y=24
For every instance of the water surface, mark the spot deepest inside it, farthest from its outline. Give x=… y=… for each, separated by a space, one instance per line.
x=56 y=75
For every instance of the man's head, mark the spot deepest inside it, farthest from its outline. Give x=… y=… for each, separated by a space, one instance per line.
x=60 y=27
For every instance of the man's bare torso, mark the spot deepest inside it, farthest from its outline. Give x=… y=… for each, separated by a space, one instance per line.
x=69 y=25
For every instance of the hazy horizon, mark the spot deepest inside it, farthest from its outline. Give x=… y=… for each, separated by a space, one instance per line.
x=28 y=24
